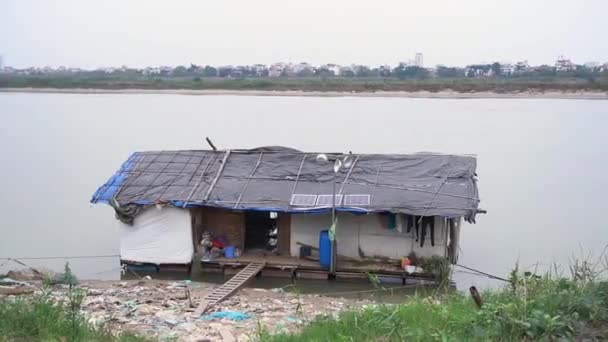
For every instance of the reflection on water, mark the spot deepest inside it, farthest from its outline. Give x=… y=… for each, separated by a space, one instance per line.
x=541 y=164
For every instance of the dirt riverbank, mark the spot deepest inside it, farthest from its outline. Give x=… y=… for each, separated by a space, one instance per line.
x=444 y=94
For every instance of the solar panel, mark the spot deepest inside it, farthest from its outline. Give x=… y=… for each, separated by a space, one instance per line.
x=357 y=200
x=327 y=200
x=302 y=200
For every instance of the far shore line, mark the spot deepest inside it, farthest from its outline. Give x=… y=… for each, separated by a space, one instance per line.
x=444 y=94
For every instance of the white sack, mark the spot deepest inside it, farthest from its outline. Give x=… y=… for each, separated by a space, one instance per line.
x=158 y=237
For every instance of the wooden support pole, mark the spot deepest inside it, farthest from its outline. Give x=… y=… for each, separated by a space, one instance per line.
x=476 y=296
x=217 y=176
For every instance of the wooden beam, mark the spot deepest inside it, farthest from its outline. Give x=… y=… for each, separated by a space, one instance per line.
x=217 y=176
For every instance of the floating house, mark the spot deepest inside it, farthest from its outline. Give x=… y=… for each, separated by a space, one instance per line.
x=274 y=205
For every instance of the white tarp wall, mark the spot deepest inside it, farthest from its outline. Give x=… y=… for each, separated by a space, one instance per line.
x=158 y=236
x=368 y=233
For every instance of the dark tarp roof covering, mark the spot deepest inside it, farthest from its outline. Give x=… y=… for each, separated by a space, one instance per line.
x=267 y=178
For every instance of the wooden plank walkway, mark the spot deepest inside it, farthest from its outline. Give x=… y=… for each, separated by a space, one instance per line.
x=229 y=287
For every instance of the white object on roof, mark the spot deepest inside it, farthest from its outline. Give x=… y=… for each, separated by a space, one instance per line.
x=356 y=200
x=303 y=200
x=158 y=237
x=327 y=200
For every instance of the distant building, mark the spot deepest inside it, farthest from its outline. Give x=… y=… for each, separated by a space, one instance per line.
x=592 y=65
x=259 y=70
x=108 y=70
x=347 y=71
x=151 y=71
x=332 y=68
x=564 y=64
x=385 y=70
x=276 y=69
x=522 y=66
x=303 y=69
x=478 y=70
x=507 y=69
x=419 y=60
x=1 y=62
x=166 y=70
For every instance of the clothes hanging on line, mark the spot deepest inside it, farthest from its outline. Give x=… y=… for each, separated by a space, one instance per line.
x=427 y=221
x=400 y=222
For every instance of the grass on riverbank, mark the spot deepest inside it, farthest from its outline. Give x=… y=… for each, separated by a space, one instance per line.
x=22 y=320
x=319 y=84
x=42 y=319
x=530 y=308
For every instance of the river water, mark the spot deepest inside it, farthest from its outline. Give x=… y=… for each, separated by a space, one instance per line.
x=542 y=164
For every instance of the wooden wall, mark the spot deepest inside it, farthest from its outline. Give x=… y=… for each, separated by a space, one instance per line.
x=228 y=223
x=284 y=234
x=231 y=224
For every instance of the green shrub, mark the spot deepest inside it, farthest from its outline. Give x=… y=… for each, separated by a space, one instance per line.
x=65 y=278
x=531 y=307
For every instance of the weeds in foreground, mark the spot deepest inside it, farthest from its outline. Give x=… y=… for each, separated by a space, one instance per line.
x=296 y=290
x=42 y=319
x=531 y=307
x=438 y=266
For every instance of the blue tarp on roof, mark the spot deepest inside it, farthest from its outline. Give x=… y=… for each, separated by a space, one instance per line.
x=106 y=192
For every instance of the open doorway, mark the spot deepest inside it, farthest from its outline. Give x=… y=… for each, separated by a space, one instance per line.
x=260 y=231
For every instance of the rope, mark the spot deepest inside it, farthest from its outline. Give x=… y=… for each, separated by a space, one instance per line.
x=62 y=257
x=295 y=183
x=106 y=271
x=370 y=291
x=137 y=275
x=491 y=276
x=249 y=180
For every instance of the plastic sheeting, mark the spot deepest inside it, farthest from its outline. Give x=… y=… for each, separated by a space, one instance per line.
x=158 y=237
x=266 y=178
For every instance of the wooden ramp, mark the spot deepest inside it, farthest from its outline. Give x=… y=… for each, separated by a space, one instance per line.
x=229 y=287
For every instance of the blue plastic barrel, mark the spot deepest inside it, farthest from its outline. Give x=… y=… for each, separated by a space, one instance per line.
x=229 y=252
x=324 y=249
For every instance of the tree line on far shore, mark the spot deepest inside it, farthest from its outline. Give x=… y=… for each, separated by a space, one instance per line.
x=406 y=78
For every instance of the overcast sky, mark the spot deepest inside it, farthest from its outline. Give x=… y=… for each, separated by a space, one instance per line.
x=94 y=33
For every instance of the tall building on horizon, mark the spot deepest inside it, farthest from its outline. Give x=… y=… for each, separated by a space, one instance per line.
x=1 y=62
x=419 y=60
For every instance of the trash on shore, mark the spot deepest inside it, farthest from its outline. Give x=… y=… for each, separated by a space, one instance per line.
x=231 y=315
x=164 y=309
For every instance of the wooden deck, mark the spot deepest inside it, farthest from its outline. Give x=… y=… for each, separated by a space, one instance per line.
x=287 y=266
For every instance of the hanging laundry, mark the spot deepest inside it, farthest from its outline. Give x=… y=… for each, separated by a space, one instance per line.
x=428 y=221
x=422 y=229
x=410 y=223
x=400 y=222
x=432 y=231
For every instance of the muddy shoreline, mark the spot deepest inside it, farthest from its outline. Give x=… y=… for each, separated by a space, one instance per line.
x=446 y=94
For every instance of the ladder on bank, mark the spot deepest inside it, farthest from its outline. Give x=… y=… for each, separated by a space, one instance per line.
x=229 y=287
